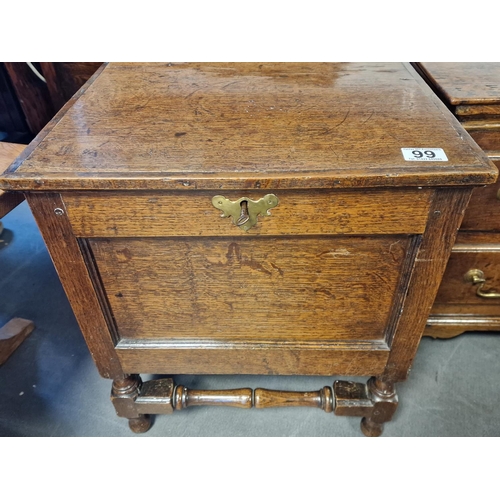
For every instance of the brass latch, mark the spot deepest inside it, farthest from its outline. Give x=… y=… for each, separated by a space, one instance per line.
x=244 y=212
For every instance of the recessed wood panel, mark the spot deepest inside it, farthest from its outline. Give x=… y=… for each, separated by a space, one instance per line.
x=265 y=288
x=118 y=214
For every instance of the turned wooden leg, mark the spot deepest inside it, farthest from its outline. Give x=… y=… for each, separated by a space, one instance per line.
x=141 y=424
x=124 y=393
x=385 y=401
x=376 y=401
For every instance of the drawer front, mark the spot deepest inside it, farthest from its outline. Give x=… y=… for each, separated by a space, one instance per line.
x=488 y=139
x=483 y=211
x=164 y=214
x=459 y=292
x=261 y=289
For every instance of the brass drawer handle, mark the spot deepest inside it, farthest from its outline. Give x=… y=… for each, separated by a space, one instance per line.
x=244 y=212
x=476 y=277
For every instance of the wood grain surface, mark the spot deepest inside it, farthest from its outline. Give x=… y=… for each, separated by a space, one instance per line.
x=483 y=211
x=446 y=215
x=8 y=153
x=170 y=213
x=72 y=270
x=341 y=277
x=271 y=358
x=472 y=91
x=472 y=251
x=271 y=125
x=66 y=78
x=487 y=138
x=465 y=82
x=275 y=289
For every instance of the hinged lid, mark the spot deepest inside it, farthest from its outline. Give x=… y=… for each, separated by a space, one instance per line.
x=249 y=126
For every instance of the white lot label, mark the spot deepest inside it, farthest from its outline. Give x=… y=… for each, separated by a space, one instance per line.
x=424 y=154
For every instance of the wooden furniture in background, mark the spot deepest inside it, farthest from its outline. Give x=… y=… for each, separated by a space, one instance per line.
x=64 y=79
x=16 y=330
x=469 y=297
x=41 y=100
x=13 y=126
x=251 y=219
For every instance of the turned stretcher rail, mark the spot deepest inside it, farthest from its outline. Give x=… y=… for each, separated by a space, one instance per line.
x=247 y=398
x=376 y=400
x=164 y=396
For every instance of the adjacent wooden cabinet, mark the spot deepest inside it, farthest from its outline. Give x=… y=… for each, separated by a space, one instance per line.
x=34 y=100
x=469 y=297
x=252 y=219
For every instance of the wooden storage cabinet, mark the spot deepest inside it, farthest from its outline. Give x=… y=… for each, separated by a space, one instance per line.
x=285 y=282
x=472 y=92
x=256 y=219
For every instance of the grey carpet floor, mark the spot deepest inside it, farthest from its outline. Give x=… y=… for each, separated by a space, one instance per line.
x=50 y=386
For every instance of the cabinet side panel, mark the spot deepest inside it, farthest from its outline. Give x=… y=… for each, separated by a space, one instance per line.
x=445 y=216
x=70 y=266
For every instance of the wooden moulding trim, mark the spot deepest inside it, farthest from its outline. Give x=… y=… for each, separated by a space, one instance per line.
x=467 y=321
x=486 y=110
x=406 y=273
x=257 y=359
x=52 y=124
x=93 y=271
x=478 y=125
x=335 y=179
x=476 y=248
x=373 y=345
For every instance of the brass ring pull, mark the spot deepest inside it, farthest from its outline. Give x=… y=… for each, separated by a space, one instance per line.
x=476 y=277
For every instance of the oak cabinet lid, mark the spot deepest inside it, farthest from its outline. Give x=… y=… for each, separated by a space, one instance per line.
x=249 y=126
x=465 y=83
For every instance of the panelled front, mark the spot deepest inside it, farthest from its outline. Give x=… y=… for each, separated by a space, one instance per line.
x=261 y=288
x=332 y=284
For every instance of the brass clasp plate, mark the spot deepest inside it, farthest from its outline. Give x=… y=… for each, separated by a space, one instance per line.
x=244 y=212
